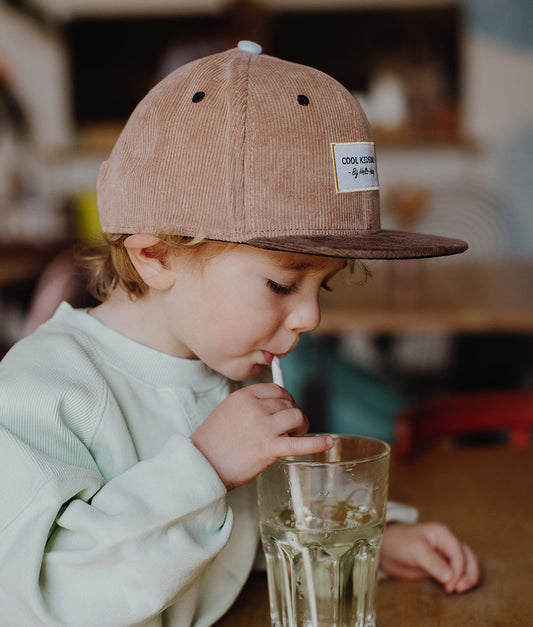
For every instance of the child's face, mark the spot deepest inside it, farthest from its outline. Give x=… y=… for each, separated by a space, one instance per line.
x=239 y=309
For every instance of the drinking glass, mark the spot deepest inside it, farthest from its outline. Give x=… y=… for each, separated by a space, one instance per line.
x=321 y=520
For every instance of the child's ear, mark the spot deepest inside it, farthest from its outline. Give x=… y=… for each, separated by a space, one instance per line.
x=145 y=253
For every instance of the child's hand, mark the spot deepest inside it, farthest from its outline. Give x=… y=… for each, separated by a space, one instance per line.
x=429 y=549
x=248 y=431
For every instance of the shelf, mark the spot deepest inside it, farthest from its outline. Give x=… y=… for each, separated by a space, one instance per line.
x=64 y=10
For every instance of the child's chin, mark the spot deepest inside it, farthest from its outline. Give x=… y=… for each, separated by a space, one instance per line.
x=246 y=374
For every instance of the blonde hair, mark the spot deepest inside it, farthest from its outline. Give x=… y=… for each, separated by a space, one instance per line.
x=110 y=267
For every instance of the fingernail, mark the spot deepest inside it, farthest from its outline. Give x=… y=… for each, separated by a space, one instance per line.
x=446 y=574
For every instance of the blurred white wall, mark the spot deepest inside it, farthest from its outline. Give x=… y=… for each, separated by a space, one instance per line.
x=38 y=75
x=498 y=89
x=498 y=113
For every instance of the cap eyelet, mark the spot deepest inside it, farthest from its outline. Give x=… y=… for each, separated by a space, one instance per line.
x=198 y=96
x=303 y=100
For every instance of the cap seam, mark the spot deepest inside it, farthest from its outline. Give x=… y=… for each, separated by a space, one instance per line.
x=244 y=205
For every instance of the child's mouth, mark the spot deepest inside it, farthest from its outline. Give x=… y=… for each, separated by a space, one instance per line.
x=268 y=357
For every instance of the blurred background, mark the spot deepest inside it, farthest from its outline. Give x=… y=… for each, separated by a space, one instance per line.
x=448 y=89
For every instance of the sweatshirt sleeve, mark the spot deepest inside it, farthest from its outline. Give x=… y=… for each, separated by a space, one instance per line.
x=118 y=557
x=77 y=549
x=398 y=512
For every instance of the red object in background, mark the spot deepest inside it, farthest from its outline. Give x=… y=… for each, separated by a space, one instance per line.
x=430 y=421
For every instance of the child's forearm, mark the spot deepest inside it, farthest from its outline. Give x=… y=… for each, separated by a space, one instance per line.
x=141 y=541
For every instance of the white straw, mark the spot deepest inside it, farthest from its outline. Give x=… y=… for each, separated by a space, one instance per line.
x=299 y=514
x=277 y=375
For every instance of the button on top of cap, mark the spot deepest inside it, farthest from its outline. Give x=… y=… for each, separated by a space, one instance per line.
x=249 y=46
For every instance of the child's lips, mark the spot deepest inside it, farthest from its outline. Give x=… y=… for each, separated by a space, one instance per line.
x=270 y=356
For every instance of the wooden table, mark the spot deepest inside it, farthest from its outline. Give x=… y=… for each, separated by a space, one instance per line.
x=486 y=495
x=432 y=294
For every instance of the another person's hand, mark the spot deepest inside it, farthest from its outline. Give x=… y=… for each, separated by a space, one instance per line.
x=248 y=431
x=429 y=550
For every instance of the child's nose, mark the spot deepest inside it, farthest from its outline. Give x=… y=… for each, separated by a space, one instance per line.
x=305 y=316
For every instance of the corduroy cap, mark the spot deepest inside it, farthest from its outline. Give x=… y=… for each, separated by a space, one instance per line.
x=243 y=147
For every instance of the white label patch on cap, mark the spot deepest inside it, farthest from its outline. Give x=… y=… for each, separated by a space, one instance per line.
x=355 y=167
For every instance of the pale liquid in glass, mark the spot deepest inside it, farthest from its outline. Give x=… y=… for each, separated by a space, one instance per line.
x=343 y=555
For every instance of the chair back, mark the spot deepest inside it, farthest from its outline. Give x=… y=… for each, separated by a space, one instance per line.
x=446 y=418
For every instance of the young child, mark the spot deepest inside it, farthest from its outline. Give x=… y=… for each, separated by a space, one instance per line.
x=239 y=187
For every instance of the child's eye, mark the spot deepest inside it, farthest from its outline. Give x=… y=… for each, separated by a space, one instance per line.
x=279 y=288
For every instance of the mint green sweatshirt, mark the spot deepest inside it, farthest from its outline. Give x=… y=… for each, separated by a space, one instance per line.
x=109 y=515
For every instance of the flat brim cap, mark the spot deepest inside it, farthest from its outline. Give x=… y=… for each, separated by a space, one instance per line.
x=248 y=148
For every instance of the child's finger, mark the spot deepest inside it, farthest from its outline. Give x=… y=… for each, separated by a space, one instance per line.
x=274 y=406
x=267 y=390
x=435 y=565
x=290 y=421
x=288 y=446
x=451 y=548
x=471 y=574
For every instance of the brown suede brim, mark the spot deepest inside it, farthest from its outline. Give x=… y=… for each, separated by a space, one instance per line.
x=381 y=245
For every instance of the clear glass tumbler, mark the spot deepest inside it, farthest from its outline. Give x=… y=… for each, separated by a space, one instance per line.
x=321 y=519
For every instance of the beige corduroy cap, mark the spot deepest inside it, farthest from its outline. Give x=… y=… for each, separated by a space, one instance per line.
x=243 y=147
